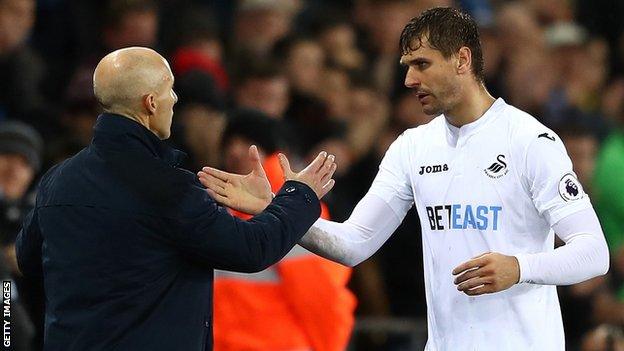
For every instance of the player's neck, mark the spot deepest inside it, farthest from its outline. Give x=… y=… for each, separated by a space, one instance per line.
x=471 y=107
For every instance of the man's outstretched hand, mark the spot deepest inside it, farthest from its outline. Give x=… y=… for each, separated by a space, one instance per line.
x=317 y=175
x=251 y=193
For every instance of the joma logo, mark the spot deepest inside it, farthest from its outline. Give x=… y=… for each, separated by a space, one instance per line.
x=433 y=169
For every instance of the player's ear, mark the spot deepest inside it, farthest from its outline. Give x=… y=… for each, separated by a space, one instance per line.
x=464 y=60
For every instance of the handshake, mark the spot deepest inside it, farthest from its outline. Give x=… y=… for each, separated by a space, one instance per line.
x=251 y=193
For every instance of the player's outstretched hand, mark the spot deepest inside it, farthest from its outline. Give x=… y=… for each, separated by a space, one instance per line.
x=317 y=175
x=489 y=273
x=249 y=193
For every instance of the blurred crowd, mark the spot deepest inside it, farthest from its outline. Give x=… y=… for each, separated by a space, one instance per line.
x=300 y=76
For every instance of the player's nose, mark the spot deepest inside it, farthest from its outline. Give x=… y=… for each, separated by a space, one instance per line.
x=411 y=78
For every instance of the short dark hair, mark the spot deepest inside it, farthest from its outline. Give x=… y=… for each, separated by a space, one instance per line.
x=447 y=30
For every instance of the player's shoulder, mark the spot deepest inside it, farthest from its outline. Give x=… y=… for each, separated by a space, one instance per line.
x=525 y=128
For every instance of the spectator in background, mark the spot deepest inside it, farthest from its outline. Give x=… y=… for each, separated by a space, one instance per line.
x=338 y=38
x=200 y=119
x=21 y=69
x=259 y=24
x=383 y=23
x=262 y=85
x=197 y=46
x=130 y=23
x=303 y=59
x=604 y=338
x=20 y=161
x=278 y=308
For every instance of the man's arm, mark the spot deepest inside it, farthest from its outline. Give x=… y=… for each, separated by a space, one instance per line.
x=28 y=246
x=213 y=237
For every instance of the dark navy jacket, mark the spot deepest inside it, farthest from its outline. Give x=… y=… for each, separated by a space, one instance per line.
x=127 y=243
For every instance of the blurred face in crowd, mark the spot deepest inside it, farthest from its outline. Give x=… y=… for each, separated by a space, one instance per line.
x=236 y=155
x=16 y=20
x=434 y=79
x=269 y=95
x=136 y=28
x=335 y=92
x=258 y=30
x=340 y=44
x=16 y=174
x=305 y=66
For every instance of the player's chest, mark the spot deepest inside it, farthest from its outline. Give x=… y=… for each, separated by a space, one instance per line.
x=479 y=173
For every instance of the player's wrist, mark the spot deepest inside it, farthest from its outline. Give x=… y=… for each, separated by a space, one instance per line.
x=523 y=268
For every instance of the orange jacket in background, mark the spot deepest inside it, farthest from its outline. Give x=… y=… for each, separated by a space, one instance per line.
x=301 y=303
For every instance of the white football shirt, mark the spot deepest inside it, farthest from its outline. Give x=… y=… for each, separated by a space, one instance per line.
x=495 y=185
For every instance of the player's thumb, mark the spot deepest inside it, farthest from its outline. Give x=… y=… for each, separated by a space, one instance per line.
x=285 y=165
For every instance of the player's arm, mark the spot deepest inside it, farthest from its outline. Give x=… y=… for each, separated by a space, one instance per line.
x=371 y=223
x=585 y=254
x=559 y=197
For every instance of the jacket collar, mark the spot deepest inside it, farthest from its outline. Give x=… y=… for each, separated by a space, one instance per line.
x=119 y=131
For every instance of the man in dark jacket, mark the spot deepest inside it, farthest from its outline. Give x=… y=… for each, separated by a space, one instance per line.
x=126 y=242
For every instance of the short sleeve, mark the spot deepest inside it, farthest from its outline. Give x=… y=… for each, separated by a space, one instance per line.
x=392 y=183
x=553 y=186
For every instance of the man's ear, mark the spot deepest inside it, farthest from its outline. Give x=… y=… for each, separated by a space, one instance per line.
x=149 y=103
x=464 y=60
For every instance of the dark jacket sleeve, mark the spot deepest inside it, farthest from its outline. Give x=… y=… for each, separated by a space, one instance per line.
x=211 y=236
x=28 y=246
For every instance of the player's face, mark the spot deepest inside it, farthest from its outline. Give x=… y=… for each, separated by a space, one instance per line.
x=433 y=78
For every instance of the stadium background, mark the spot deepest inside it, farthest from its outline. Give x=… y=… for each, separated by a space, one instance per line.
x=324 y=74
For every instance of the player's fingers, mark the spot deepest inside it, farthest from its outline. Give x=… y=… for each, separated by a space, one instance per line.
x=225 y=176
x=469 y=274
x=317 y=163
x=485 y=289
x=481 y=255
x=285 y=165
x=329 y=174
x=473 y=283
x=254 y=156
x=471 y=264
